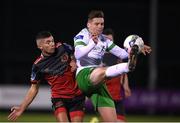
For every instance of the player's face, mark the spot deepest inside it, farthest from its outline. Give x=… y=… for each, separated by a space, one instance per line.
x=96 y=26
x=47 y=46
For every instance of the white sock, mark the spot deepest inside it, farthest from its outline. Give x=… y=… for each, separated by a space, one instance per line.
x=117 y=69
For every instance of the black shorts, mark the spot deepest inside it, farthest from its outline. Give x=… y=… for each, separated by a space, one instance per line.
x=71 y=105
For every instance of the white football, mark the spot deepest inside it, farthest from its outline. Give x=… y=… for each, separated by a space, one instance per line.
x=132 y=40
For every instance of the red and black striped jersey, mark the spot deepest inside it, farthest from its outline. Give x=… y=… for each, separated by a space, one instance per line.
x=114 y=87
x=56 y=70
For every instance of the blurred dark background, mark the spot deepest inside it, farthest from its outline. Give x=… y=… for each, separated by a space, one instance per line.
x=156 y=21
x=21 y=20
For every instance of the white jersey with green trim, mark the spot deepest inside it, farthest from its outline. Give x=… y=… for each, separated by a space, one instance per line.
x=89 y=54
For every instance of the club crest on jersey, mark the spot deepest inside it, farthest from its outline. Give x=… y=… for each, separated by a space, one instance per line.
x=64 y=57
x=79 y=37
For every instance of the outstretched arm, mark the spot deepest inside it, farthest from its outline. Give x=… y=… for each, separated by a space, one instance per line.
x=119 y=52
x=16 y=111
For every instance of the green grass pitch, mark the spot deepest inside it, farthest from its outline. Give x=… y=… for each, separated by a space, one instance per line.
x=48 y=117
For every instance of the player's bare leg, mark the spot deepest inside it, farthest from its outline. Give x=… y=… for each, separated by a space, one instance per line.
x=98 y=75
x=77 y=116
x=62 y=117
x=77 y=119
x=108 y=114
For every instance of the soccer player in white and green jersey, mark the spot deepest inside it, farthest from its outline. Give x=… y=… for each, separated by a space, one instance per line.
x=90 y=46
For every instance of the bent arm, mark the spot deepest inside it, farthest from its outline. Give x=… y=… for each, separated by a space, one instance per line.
x=82 y=50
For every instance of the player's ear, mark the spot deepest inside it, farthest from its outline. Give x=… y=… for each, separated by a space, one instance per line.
x=88 y=25
x=39 y=46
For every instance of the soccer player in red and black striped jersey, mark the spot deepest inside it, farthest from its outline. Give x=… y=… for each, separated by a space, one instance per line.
x=55 y=66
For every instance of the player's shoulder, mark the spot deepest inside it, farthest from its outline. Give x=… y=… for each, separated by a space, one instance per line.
x=65 y=46
x=104 y=38
x=68 y=46
x=82 y=34
x=38 y=59
x=58 y=44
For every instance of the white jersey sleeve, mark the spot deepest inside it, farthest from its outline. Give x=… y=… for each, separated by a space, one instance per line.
x=82 y=44
x=116 y=50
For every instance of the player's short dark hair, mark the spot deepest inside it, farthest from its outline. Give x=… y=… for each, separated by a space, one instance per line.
x=108 y=31
x=95 y=14
x=43 y=34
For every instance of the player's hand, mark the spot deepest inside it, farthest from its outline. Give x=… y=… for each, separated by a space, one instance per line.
x=146 y=49
x=95 y=38
x=127 y=92
x=73 y=65
x=15 y=113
